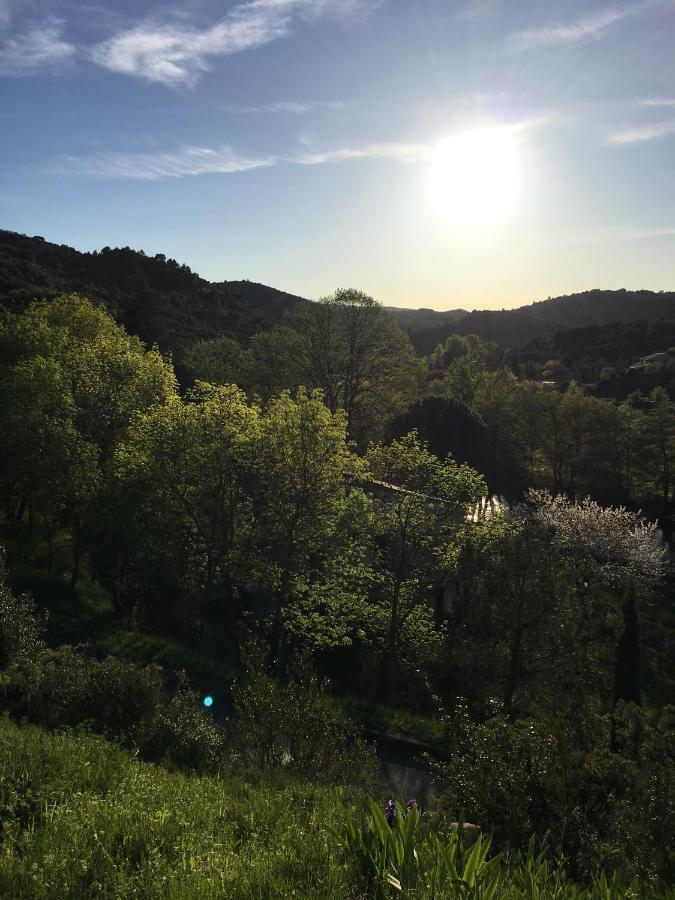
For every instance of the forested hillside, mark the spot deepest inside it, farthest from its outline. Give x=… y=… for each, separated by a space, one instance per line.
x=156 y=298
x=303 y=531
x=514 y=327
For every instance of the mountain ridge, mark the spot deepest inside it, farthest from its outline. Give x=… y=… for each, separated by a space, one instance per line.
x=167 y=303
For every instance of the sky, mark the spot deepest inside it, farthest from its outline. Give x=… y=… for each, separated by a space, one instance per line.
x=436 y=153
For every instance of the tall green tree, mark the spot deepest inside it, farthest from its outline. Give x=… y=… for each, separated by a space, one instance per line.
x=356 y=354
x=304 y=511
x=191 y=459
x=70 y=368
x=420 y=512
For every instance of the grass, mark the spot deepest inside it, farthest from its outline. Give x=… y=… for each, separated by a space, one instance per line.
x=83 y=818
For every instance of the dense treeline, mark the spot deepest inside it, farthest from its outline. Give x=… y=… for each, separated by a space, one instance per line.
x=155 y=297
x=323 y=492
x=537 y=434
x=515 y=327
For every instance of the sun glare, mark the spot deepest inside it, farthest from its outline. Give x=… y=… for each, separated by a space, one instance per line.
x=474 y=177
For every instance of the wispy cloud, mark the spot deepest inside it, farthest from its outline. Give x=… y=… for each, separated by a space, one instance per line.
x=590 y=27
x=643 y=133
x=290 y=107
x=477 y=11
x=188 y=161
x=38 y=48
x=398 y=152
x=4 y=13
x=192 y=161
x=176 y=54
x=659 y=102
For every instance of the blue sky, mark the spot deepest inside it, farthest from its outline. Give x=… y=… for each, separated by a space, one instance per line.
x=296 y=142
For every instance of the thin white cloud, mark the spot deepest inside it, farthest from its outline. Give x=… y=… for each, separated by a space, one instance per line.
x=643 y=133
x=34 y=50
x=398 y=152
x=5 y=13
x=590 y=27
x=193 y=161
x=176 y=54
x=477 y=11
x=660 y=102
x=189 y=161
x=290 y=107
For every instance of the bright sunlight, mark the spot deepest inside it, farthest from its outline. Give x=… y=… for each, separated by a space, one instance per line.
x=474 y=177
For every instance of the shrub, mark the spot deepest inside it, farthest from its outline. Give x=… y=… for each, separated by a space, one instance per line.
x=19 y=624
x=183 y=733
x=292 y=727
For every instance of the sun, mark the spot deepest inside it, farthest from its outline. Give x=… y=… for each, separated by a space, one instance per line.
x=474 y=177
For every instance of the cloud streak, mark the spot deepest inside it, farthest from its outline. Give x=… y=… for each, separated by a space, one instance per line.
x=189 y=161
x=175 y=54
x=660 y=102
x=289 y=107
x=643 y=133
x=591 y=27
x=35 y=49
x=193 y=161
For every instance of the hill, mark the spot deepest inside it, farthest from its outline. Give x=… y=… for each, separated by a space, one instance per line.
x=516 y=327
x=153 y=297
x=167 y=303
x=416 y=320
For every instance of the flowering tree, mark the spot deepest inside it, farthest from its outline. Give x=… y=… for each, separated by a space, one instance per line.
x=612 y=548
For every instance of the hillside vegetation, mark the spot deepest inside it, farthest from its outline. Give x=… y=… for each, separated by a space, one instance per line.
x=83 y=818
x=304 y=521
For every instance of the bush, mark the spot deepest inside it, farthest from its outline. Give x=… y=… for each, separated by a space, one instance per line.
x=292 y=727
x=598 y=809
x=19 y=624
x=183 y=733
x=63 y=688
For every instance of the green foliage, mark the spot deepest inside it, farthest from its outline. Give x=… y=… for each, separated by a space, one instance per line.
x=357 y=356
x=423 y=859
x=63 y=688
x=82 y=818
x=557 y=776
x=183 y=734
x=59 y=688
x=417 y=525
x=20 y=628
x=293 y=728
x=219 y=361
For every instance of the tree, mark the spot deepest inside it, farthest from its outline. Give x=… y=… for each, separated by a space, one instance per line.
x=607 y=548
x=303 y=510
x=81 y=378
x=278 y=362
x=660 y=434
x=20 y=627
x=220 y=360
x=417 y=525
x=356 y=354
x=448 y=428
x=191 y=461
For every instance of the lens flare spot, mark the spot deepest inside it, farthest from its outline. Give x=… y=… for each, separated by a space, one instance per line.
x=208 y=701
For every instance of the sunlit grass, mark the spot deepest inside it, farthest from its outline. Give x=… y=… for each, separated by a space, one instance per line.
x=83 y=818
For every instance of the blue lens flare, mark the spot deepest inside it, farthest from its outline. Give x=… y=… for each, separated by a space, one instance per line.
x=208 y=701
